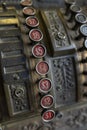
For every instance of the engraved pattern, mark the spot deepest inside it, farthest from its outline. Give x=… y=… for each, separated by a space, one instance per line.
x=56 y=29
x=19 y=100
x=72 y=119
x=29 y=124
x=33 y=126
x=75 y=118
x=63 y=80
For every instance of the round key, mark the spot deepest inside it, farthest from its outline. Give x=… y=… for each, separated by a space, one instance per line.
x=47 y=101
x=83 y=30
x=36 y=35
x=29 y=11
x=42 y=68
x=48 y=115
x=74 y=10
x=39 y=51
x=80 y=19
x=26 y=2
x=68 y=4
x=45 y=85
x=85 y=44
x=32 y=21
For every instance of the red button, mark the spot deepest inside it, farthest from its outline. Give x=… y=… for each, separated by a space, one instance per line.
x=26 y=2
x=47 y=101
x=48 y=116
x=32 y=21
x=42 y=68
x=39 y=51
x=29 y=11
x=36 y=35
x=45 y=85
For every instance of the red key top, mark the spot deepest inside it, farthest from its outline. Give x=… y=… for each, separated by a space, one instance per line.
x=47 y=101
x=29 y=11
x=42 y=68
x=26 y=2
x=32 y=21
x=36 y=35
x=39 y=51
x=45 y=85
x=48 y=116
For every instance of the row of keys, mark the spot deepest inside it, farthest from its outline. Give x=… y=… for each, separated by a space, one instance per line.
x=42 y=67
x=77 y=23
x=75 y=14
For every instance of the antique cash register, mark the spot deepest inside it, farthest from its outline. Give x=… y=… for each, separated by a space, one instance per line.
x=43 y=66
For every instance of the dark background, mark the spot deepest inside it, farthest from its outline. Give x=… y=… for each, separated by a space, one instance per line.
x=55 y=3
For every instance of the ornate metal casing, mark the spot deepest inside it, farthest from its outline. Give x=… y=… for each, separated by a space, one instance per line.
x=43 y=67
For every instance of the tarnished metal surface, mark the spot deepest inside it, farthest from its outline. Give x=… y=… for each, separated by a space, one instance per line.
x=43 y=67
